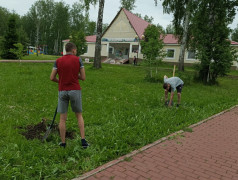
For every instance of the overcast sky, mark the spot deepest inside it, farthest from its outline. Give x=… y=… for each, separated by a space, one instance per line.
x=111 y=7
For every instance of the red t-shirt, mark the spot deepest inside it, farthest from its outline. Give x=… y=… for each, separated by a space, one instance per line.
x=68 y=68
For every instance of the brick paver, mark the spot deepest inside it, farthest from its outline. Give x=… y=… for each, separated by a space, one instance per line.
x=209 y=152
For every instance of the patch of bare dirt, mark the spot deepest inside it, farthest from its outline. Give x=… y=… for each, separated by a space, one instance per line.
x=37 y=131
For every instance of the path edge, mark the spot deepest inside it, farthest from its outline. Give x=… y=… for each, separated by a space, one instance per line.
x=122 y=158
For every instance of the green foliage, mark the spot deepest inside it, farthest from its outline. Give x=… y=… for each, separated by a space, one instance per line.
x=4 y=15
x=152 y=47
x=148 y=19
x=61 y=16
x=1 y=44
x=18 y=50
x=179 y=9
x=23 y=38
x=78 y=38
x=91 y=28
x=186 y=76
x=78 y=19
x=10 y=39
x=161 y=29
x=87 y=3
x=126 y=115
x=210 y=34
x=170 y=29
x=128 y=4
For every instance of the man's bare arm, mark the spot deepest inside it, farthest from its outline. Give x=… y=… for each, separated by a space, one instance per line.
x=53 y=75
x=81 y=74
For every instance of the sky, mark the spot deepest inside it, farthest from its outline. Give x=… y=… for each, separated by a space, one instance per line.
x=111 y=7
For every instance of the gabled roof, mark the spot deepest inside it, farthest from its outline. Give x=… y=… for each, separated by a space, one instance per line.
x=137 y=23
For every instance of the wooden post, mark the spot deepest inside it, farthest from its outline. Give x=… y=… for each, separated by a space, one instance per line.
x=174 y=70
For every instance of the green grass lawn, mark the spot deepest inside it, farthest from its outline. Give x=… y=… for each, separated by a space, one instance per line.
x=122 y=112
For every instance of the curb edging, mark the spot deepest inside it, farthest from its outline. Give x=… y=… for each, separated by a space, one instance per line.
x=122 y=158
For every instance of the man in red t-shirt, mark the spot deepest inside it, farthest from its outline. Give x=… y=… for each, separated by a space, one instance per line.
x=70 y=70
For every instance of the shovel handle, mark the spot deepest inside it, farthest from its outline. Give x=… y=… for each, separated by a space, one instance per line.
x=52 y=123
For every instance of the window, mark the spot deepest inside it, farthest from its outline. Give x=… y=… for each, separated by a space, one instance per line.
x=110 y=50
x=135 y=48
x=191 y=55
x=170 y=53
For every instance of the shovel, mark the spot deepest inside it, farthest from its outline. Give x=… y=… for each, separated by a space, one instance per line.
x=50 y=127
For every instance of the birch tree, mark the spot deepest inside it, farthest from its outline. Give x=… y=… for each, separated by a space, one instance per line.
x=97 y=55
x=181 y=10
x=210 y=38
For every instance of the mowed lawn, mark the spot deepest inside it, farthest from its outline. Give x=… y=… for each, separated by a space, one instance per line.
x=122 y=112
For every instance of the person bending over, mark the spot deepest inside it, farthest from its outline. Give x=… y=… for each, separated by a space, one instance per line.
x=171 y=85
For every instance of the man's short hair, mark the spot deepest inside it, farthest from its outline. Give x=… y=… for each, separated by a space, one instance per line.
x=70 y=46
x=165 y=85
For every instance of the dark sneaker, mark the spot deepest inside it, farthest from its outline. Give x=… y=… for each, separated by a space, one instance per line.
x=178 y=105
x=62 y=145
x=84 y=143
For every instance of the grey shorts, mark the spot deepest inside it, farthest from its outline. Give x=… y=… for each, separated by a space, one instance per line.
x=75 y=99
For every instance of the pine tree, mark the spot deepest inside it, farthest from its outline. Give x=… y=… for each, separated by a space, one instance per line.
x=10 y=39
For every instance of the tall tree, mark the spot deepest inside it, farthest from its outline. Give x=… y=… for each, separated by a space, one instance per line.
x=97 y=61
x=78 y=19
x=61 y=16
x=97 y=56
x=78 y=38
x=210 y=37
x=10 y=39
x=170 y=29
x=128 y=4
x=4 y=15
x=23 y=38
x=160 y=27
x=152 y=46
x=181 y=10
x=90 y=28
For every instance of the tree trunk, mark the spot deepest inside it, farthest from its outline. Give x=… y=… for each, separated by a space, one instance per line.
x=37 y=37
x=97 y=60
x=184 y=39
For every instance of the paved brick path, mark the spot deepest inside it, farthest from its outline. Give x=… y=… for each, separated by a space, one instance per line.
x=209 y=152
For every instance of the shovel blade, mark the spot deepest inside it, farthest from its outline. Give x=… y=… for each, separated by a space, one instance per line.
x=47 y=133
